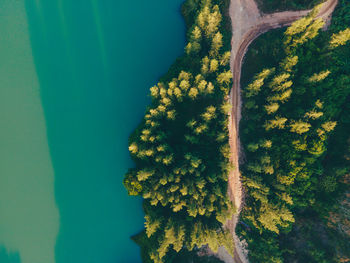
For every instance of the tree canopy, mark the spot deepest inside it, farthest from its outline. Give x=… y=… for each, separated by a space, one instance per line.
x=292 y=111
x=181 y=148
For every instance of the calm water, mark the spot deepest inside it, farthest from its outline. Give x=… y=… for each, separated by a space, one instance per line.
x=74 y=79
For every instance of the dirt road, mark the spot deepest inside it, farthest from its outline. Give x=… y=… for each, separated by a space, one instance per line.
x=247 y=24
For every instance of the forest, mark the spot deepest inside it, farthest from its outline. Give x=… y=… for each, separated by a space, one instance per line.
x=295 y=136
x=181 y=149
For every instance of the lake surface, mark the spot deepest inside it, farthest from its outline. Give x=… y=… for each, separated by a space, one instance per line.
x=74 y=80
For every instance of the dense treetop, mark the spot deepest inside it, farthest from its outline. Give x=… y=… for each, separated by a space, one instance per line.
x=181 y=147
x=293 y=132
x=290 y=112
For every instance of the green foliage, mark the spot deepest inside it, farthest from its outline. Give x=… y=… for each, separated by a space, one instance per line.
x=183 y=256
x=340 y=38
x=132 y=184
x=291 y=118
x=181 y=148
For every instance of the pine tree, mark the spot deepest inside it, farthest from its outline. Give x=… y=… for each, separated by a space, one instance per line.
x=313 y=115
x=151 y=225
x=225 y=77
x=193 y=93
x=209 y=114
x=340 y=39
x=225 y=59
x=299 y=127
x=216 y=43
x=278 y=122
x=329 y=126
x=196 y=34
x=214 y=64
x=319 y=77
x=272 y=108
x=133 y=148
x=143 y=175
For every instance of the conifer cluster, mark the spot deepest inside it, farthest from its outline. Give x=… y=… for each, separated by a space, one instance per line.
x=290 y=111
x=181 y=147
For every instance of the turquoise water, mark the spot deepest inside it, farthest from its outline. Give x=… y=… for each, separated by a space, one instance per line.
x=74 y=79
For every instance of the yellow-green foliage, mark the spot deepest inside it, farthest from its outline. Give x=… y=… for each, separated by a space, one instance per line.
x=303 y=30
x=294 y=143
x=286 y=126
x=340 y=38
x=181 y=148
x=320 y=76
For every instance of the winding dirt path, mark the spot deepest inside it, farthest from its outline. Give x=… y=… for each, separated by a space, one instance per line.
x=247 y=24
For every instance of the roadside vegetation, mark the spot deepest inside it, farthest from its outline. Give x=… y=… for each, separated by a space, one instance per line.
x=295 y=134
x=271 y=6
x=181 y=149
